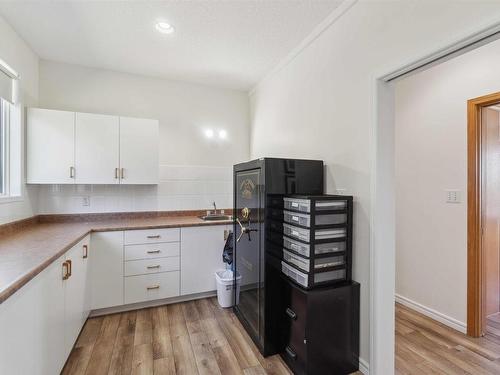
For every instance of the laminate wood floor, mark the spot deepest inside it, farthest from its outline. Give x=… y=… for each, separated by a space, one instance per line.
x=424 y=346
x=493 y=327
x=196 y=337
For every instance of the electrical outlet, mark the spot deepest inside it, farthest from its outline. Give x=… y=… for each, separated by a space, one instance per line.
x=452 y=196
x=342 y=191
x=86 y=201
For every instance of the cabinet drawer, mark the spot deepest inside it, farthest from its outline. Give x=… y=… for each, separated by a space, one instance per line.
x=145 y=266
x=150 y=287
x=153 y=250
x=294 y=335
x=144 y=236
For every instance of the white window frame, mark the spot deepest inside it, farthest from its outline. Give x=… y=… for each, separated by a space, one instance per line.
x=7 y=195
x=5 y=147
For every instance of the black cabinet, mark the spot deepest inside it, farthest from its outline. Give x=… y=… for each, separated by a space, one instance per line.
x=320 y=329
x=259 y=186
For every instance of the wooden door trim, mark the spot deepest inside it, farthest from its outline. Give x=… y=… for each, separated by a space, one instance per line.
x=475 y=277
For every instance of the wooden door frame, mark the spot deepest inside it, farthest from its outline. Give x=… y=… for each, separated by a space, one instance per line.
x=475 y=263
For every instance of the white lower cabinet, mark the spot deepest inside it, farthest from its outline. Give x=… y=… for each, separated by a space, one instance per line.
x=107 y=269
x=146 y=266
x=76 y=292
x=151 y=287
x=40 y=323
x=201 y=256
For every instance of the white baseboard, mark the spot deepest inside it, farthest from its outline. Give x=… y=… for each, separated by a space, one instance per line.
x=433 y=314
x=364 y=367
x=154 y=303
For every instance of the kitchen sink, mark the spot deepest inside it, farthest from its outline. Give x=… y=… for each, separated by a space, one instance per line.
x=215 y=217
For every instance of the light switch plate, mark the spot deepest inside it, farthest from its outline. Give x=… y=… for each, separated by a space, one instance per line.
x=453 y=196
x=85 y=201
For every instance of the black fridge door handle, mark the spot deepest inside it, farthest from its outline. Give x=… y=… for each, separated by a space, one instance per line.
x=290 y=353
x=291 y=314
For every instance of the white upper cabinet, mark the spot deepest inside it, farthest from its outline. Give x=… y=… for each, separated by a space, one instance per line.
x=86 y=148
x=97 y=149
x=50 y=143
x=138 y=160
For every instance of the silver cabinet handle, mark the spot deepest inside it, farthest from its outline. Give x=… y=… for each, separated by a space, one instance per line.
x=117 y=173
x=153 y=251
x=153 y=287
x=155 y=236
x=122 y=173
x=244 y=230
x=153 y=267
x=71 y=172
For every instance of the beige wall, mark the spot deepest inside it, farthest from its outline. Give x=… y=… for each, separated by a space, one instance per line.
x=491 y=204
x=431 y=156
x=194 y=171
x=183 y=109
x=321 y=104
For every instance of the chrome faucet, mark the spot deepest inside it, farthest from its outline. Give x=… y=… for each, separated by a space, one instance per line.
x=215 y=208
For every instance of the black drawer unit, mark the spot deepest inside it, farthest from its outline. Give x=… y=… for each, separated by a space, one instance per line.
x=317 y=239
x=320 y=329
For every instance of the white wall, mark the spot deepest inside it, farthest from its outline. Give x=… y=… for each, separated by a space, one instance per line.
x=185 y=110
x=181 y=188
x=431 y=156
x=15 y=52
x=321 y=104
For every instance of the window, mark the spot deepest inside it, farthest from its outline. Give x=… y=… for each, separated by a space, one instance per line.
x=10 y=151
x=4 y=147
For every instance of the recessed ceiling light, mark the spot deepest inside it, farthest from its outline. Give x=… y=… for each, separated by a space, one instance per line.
x=164 y=27
x=222 y=134
x=209 y=133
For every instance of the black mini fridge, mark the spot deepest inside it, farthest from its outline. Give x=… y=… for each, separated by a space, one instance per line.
x=259 y=186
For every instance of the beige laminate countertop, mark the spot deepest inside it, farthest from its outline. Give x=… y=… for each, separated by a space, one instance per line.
x=26 y=252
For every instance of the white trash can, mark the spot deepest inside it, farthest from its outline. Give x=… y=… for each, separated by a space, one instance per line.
x=225 y=293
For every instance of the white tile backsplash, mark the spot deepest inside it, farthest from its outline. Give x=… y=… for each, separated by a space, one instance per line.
x=180 y=188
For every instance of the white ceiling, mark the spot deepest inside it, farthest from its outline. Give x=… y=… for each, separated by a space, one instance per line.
x=224 y=43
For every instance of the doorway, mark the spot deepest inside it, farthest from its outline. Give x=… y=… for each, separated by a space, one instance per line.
x=483 y=211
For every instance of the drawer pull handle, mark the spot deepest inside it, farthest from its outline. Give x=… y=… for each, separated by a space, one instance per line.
x=153 y=251
x=153 y=287
x=290 y=353
x=70 y=268
x=85 y=251
x=65 y=273
x=291 y=314
x=152 y=267
x=155 y=236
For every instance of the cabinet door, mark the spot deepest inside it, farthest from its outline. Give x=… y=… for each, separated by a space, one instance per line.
x=96 y=149
x=107 y=269
x=50 y=144
x=201 y=256
x=75 y=294
x=139 y=150
x=32 y=326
